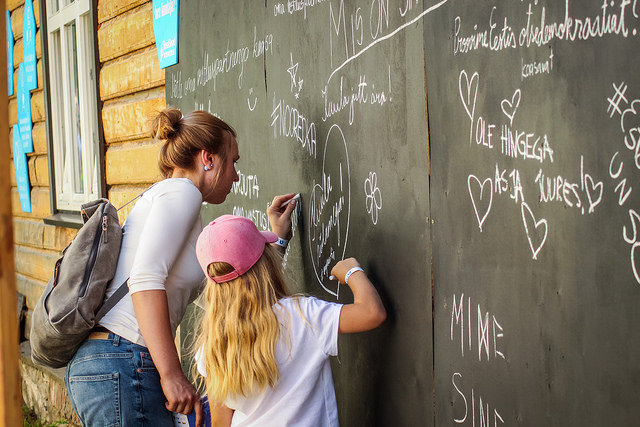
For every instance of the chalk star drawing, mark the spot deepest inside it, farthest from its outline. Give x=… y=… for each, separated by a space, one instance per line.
x=296 y=86
x=374 y=197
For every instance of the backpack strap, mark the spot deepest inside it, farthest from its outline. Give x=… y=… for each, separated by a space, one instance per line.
x=138 y=196
x=124 y=288
x=112 y=301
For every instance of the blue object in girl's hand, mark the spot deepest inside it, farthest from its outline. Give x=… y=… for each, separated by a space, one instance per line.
x=181 y=420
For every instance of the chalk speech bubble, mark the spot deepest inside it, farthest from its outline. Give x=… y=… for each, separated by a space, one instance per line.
x=329 y=210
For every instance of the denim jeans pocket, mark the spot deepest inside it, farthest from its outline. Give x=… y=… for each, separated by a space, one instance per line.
x=97 y=397
x=145 y=362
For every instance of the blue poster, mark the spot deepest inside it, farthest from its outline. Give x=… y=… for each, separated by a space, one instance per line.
x=24 y=111
x=29 y=45
x=9 y=54
x=165 y=28
x=22 y=171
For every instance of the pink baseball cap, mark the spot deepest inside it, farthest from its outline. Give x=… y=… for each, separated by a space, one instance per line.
x=234 y=240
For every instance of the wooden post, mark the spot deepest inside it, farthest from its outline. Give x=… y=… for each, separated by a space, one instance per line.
x=10 y=395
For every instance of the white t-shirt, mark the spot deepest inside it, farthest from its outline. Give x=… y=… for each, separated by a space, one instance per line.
x=158 y=252
x=304 y=395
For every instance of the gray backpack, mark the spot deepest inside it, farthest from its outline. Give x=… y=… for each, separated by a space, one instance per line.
x=72 y=302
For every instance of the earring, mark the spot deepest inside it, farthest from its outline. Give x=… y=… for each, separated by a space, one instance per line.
x=208 y=168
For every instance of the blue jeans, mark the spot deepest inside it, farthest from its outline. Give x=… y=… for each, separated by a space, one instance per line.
x=114 y=383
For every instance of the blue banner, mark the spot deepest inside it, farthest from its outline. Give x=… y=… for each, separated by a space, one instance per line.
x=10 y=43
x=29 y=45
x=22 y=171
x=24 y=111
x=165 y=29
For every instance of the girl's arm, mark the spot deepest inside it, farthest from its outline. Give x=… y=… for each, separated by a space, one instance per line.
x=367 y=311
x=220 y=415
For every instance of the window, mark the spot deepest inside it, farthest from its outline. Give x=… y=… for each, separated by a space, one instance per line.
x=74 y=155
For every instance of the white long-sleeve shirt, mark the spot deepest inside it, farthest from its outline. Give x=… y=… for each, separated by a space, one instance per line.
x=158 y=252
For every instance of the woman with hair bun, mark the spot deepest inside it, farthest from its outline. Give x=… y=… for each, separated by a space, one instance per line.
x=128 y=373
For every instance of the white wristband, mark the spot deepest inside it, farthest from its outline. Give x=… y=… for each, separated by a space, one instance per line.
x=350 y=272
x=281 y=242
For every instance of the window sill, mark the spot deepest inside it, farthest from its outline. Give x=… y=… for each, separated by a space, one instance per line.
x=68 y=220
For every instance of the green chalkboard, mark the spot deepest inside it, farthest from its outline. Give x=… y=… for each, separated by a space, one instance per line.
x=534 y=195
x=482 y=160
x=328 y=99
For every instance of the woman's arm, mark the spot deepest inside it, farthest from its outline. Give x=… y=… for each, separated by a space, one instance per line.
x=152 y=313
x=367 y=311
x=280 y=216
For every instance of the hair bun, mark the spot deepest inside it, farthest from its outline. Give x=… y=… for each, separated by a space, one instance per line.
x=165 y=125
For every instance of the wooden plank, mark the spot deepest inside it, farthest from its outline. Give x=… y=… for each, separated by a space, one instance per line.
x=133 y=163
x=37 y=107
x=38 y=171
x=18 y=50
x=127 y=118
x=40 y=207
x=10 y=396
x=110 y=9
x=14 y=4
x=130 y=74
x=31 y=288
x=17 y=19
x=28 y=232
x=35 y=263
x=126 y=33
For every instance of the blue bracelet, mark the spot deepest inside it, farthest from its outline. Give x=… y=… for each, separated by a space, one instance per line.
x=350 y=272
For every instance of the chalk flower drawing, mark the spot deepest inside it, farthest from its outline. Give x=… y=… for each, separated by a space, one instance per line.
x=374 y=197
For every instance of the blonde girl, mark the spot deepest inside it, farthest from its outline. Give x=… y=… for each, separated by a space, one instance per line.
x=264 y=353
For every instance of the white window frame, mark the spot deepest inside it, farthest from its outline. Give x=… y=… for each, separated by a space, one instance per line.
x=74 y=129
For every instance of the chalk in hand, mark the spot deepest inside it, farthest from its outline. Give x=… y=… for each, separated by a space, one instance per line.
x=296 y=197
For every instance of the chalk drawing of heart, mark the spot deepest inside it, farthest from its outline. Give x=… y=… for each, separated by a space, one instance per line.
x=329 y=210
x=591 y=189
x=509 y=107
x=468 y=91
x=536 y=230
x=481 y=197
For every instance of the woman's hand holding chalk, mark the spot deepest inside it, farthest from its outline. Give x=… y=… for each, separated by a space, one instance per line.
x=296 y=197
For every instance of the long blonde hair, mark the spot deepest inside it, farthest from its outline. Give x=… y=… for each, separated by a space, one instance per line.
x=239 y=330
